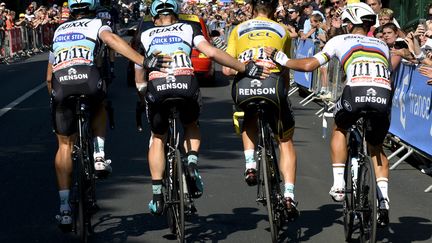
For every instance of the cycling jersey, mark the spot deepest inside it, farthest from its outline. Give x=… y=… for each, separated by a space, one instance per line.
x=366 y=63
x=176 y=40
x=248 y=39
x=246 y=43
x=75 y=45
x=365 y=60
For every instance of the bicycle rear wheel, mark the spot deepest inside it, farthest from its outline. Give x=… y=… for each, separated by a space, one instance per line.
x=176 y=198
x=181 y=198
x=368 y=201
x=79 y=198
x=348 y=210
x=271 y=199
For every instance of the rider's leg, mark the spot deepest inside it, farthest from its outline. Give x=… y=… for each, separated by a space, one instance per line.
x=288 y=166
x=99 y=121
x=339 y=154
x=381 y=166
x=156 y=160
x=63 y=166
x=192 y=137
x=248 y=137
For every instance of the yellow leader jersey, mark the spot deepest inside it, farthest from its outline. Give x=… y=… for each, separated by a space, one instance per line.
x=248 y=39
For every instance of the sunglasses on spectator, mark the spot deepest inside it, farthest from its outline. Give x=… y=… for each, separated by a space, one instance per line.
x=290 y=12
x=335 y=3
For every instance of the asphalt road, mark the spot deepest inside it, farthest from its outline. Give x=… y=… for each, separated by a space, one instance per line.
x=227 y=212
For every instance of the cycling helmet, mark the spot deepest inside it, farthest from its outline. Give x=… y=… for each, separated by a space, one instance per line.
x=359 y=13
x=274 y=3
x=76 y=5
x=164 y=7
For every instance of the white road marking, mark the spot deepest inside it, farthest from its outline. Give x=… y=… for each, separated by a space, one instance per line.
x=21 y=99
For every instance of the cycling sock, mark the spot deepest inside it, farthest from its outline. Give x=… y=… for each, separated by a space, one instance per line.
x=289 y=191
x=250 y=160
x=64 y=200
x=99 y=147
x=338 y=175
x=192 y=157
x=156 y=187
x=382 y=184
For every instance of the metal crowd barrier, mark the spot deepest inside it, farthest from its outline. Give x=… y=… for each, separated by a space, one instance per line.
x=23 y=41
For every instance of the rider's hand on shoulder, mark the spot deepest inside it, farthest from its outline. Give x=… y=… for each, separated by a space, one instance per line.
x=157 y=62
x=253 y=70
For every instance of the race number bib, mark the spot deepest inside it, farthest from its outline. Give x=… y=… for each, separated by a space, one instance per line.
x=369 y=73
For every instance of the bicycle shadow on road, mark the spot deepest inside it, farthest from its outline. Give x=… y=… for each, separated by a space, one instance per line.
x=217 y=227
x=110 y=228
x=408 y=229
x=312 y=222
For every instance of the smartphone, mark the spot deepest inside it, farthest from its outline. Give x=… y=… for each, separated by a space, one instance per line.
x=400 y=45
x=423 y=22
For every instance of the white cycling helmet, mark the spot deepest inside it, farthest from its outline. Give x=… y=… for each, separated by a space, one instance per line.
x=359 y=13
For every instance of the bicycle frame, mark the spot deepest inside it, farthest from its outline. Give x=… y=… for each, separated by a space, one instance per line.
x=268 y=189
x=175 y=182
x=361 y=197
x=84 y=198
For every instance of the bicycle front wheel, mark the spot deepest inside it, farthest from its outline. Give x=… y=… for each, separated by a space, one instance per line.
x=271 y=199
x=367 y=201
x=348 y=210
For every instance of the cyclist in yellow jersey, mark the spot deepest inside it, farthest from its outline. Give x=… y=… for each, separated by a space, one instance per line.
x=246 y=43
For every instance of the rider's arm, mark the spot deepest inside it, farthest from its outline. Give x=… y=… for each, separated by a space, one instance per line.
x=49 y=73
x=119 y=45
x=49 y=78
x=220 y=56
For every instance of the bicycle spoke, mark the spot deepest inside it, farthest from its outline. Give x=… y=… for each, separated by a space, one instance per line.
x=368 y=202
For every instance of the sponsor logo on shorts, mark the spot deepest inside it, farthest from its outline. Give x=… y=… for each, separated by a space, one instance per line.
x=255 y=89
x=370 y=97
x=73 y=75
x=347 y=105
x=169 y=86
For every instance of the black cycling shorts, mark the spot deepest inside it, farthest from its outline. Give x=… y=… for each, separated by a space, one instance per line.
x=63 y=114
x=273 y=90
x=375 y=101
x=158 y=90
x=70 y=82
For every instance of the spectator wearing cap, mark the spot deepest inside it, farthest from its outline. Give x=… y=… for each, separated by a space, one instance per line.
x=294 y=18
x=22 y=21
x=2 y=6
x=307 y=29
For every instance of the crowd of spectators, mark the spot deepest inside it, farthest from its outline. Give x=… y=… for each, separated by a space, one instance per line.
x=320 y=21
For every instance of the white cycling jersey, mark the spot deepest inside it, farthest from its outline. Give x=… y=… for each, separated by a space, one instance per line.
x=366 y=60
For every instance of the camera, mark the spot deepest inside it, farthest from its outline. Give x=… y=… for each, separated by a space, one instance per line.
x=400 y=44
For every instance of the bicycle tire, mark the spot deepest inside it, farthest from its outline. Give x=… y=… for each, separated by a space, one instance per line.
x=269 y=196
x=368 y=201
x=348 y=210
x=169 y=194
x=80 y=199
x=181 y=198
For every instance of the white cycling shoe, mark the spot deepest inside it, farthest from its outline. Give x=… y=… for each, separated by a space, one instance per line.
x=102 y=167
x=337 y=194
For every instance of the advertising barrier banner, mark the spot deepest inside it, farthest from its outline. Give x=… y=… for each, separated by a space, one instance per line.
x=305 y=48
x=411 y=108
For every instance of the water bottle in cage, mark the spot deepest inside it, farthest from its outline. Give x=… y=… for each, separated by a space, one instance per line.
x=354 y=171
